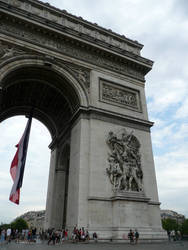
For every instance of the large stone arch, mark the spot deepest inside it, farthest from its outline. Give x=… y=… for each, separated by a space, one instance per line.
x=27 y=83
x=86 y=84
x=22 y=61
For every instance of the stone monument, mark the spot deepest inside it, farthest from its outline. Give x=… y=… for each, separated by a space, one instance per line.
x=86 y=84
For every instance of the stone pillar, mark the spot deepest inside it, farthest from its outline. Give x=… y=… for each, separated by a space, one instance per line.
x=77 y=207
x=56 y=193
x=112 y=210
x=50 y=198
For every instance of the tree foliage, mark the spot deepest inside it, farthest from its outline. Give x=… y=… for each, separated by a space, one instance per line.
x=19 y=224
x=170 y=224
x=4 y=226
x=184 y=227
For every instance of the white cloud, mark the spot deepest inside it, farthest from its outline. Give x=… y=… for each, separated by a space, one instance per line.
x=166 y=94
x=161 y=136
x=182 y=112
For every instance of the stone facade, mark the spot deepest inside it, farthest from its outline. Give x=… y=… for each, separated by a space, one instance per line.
x=86 y=84
x=169 y=214
x=34 y=219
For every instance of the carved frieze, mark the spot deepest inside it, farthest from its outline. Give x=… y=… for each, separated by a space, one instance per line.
x=79 y=25
x=119 y=95
x=82 y=74
x=16 y=3
x=124 y=171
x=72 y=49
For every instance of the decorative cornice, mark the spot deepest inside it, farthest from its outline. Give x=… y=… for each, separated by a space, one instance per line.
x=58 y=30
x=119 y=198
x=155 y=203
x=103 y=115
x=113 y=117
x=91 y=25
x=68 y=47
x=65 y=19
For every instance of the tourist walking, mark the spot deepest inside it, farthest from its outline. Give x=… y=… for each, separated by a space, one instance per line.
x=52 y=237
x=95 y=237
x=169 y=235
x=173 y=234
x=66 y=234
x=136 y=235
x=3 y=232
x=178 y=235
x=87 y=237
x=8 y=233
x=131 y=236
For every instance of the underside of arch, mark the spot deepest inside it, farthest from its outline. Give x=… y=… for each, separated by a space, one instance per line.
x=51 y=95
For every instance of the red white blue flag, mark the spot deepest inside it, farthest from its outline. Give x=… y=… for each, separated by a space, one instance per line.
x=18 y=164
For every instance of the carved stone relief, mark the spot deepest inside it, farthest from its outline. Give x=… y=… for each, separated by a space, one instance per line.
x=124 y=171
x=16 y=3
x=8 y=51
x=81 y=74
x=119 y=95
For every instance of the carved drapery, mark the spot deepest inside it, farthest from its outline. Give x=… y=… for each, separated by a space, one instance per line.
x=124 y=171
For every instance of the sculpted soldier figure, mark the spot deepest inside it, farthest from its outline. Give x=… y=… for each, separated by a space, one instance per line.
x=124 y=170
x=114 y=172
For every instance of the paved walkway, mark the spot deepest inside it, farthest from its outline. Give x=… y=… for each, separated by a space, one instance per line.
x=97 y=246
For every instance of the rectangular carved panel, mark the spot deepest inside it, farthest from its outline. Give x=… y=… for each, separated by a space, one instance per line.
x=115 y=94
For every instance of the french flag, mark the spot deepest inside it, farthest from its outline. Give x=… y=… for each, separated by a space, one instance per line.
x=18 y=164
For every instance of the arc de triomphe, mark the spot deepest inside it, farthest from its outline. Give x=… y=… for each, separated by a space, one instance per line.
x=87 y=86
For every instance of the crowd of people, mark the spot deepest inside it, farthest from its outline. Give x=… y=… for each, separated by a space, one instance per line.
x=174 y=235
x=51 y=236
x=77 y=235
x=29 y=235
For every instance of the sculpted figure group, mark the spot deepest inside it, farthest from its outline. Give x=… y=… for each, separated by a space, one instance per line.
x=124 y=169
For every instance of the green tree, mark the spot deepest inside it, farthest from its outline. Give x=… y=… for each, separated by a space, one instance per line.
x=184 y=227
x=170 y=224
x=19 y=224
x=4 y=226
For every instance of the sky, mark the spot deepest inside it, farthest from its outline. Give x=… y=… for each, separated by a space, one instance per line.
x=162 y=27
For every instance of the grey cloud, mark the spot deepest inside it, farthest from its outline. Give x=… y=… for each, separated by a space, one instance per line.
x=180 y=8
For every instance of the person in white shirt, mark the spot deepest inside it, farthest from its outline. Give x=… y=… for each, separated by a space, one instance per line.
x=8 y=234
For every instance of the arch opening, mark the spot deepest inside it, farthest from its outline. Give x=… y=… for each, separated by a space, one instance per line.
x=51 y=94
x=55 y=98
x=34 y=188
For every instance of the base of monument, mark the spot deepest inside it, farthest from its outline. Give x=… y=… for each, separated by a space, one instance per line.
x=121 y=236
